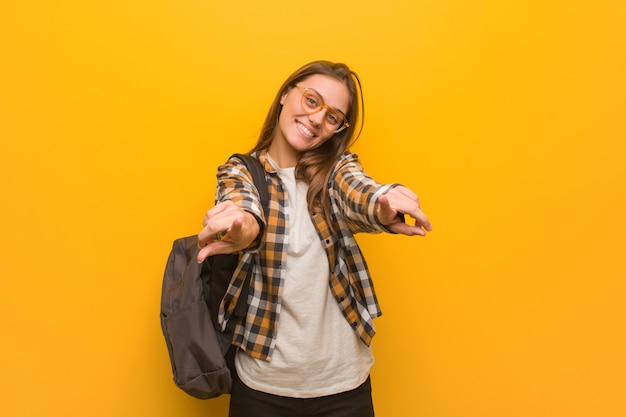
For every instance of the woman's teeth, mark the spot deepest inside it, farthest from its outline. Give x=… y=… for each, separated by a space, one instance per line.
x=304 y=130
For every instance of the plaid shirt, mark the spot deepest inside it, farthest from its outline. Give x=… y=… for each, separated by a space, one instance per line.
x=354 y=204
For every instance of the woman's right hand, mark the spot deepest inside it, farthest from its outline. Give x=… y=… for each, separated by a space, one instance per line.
x=227 y=229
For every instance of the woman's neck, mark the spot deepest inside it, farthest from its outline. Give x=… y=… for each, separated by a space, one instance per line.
x=284 y=158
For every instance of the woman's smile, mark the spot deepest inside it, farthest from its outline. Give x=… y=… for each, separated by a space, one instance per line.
x=304 y=129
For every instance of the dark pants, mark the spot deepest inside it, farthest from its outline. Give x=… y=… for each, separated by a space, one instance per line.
x=246 y=402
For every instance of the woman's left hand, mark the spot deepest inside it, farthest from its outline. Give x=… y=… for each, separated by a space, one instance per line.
x=397 y=201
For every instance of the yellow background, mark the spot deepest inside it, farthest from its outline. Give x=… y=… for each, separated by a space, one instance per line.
x=507 y=117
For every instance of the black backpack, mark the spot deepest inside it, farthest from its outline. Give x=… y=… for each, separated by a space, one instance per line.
x=201 y=354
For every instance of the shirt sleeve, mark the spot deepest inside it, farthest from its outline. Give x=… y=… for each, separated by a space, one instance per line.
x=357 y=195
x=234 y=183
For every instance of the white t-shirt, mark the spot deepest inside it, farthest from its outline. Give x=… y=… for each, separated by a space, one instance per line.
x=317 y=352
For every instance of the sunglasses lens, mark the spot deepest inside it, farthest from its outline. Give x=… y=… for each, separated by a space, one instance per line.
x=312 y=102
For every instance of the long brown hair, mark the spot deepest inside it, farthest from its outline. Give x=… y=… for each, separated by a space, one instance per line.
x=315 y=166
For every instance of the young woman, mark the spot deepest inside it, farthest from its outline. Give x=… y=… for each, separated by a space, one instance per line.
x=305 y=343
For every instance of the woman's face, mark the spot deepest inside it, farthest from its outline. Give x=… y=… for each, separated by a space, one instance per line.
x=299 y=131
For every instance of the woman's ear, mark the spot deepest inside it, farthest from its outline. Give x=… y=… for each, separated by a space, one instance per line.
x=283 y=98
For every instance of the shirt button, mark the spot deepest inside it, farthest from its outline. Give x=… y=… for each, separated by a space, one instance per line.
x=354 y=324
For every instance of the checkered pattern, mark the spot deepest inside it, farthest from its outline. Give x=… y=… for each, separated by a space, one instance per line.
x=354 y=202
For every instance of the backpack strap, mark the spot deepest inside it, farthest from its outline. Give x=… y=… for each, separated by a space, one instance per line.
x=258 y=176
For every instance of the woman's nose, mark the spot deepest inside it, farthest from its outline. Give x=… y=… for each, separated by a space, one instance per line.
x=317 y=118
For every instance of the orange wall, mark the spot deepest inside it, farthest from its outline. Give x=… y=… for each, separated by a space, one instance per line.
x=506 y=117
